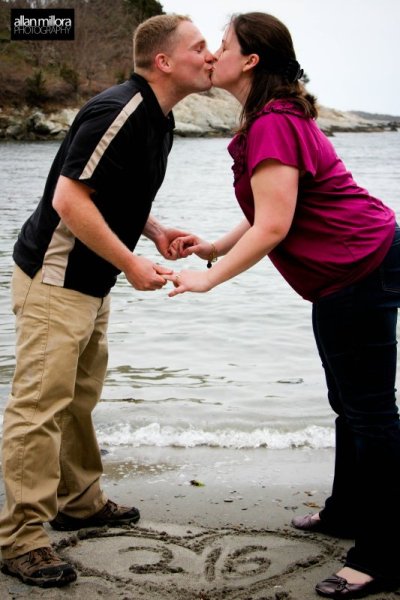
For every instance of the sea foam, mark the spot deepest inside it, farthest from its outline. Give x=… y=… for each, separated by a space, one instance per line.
x=156 y=435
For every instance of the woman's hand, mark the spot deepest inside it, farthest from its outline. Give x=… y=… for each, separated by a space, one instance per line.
x=191 y=244
x=166 y=242
x=189 y=281
x=164 y=238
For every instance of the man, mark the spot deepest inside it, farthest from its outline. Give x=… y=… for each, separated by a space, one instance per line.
x=95 y=206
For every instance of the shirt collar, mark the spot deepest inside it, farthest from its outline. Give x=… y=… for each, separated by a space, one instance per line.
x=164 y=122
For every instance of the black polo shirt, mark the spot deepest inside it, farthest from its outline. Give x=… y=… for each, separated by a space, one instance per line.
x=118 y=145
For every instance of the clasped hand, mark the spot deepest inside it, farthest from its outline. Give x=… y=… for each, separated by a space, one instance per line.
x=190 y=281
x=145 y=275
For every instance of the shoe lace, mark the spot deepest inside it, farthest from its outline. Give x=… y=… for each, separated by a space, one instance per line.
x=42 y=555
x=110 y=509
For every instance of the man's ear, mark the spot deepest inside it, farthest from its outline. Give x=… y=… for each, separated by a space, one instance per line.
x=251 y=61
x=163 y=63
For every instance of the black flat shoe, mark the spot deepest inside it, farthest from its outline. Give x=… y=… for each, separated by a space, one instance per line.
x=338 y=587
x=307 y=523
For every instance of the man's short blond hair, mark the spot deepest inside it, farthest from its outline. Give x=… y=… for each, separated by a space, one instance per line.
x=153 y=36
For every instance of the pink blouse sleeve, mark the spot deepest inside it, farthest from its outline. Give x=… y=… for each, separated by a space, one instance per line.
x=283 y=137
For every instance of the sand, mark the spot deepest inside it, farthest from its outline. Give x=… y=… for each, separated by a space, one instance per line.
x=227 y=538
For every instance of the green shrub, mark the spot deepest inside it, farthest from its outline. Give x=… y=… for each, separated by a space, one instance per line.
x=70 y=76
x=36 y=93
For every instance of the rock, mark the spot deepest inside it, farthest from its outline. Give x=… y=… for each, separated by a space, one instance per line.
x=14 y=131
x=212 y=113
x=331 y=121
x=12 y=127
x=34 y=124
x=209 y=113
x=188 y=129
x=37 y=124
x=54 y=125
x=394 y=125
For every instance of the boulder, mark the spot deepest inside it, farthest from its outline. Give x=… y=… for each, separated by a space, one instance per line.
x=212 y=113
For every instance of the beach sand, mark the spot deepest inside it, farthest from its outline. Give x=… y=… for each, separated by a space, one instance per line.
x=215 y=526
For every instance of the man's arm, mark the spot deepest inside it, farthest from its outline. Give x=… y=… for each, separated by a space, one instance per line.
x=75 y=207
x=163 y=237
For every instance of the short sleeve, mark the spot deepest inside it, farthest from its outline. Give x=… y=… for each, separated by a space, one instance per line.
x=284 y=137
x=100 y=148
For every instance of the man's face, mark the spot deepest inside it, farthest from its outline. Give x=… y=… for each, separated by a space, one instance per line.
x=190 y=59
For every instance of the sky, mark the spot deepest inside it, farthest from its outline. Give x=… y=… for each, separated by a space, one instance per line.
x=350 y=49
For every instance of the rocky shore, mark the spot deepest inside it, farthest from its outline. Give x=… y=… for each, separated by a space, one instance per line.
x=213 y=113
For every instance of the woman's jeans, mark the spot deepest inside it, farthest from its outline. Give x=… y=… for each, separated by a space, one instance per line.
x=355 y=330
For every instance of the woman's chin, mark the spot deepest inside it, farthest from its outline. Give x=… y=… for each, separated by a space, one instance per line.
x=215 y=82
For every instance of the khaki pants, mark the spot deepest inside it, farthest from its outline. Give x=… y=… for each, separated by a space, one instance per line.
x=51 y=458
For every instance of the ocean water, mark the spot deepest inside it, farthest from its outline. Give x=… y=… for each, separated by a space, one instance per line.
x=236 y=367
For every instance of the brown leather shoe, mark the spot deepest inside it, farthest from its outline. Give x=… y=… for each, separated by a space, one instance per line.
x=41 y=567
x=306 y=523
x=112 y=515
x=338 y=587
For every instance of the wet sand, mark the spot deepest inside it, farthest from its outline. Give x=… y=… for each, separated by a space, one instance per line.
x=215 y=525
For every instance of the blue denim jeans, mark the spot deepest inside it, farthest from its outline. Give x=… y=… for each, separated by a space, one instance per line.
x=355 y=331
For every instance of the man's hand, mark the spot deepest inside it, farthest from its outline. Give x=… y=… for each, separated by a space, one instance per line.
x=165 y=243
x=145 y=275
x=163 y=237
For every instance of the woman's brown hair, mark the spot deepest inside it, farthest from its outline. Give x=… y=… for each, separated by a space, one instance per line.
x=277 y=73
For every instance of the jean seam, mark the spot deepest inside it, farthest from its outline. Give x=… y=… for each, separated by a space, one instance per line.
x=38 y=394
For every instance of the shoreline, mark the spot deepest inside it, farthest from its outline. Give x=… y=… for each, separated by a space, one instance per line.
x=210 y=114
x=228 y=538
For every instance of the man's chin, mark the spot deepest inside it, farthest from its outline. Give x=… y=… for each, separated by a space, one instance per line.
x=206 y=86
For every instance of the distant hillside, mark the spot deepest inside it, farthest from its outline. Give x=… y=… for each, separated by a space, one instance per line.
x=376 y=116
x=43 y=83
x=212 y=113
x=52 y=74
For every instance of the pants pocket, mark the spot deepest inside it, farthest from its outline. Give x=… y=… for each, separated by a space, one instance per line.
x=390 y=268
x=20 y=286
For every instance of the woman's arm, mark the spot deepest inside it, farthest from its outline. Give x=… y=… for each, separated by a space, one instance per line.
x=192 y=244
x=275 y=188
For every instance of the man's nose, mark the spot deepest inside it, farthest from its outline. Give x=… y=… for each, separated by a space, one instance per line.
x=210 y=57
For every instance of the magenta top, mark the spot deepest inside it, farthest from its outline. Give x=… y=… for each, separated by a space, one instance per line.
x=339 y=233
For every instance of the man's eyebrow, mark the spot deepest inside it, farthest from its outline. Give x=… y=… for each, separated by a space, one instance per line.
x=201 y=42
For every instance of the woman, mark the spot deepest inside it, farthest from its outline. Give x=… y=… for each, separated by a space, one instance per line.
x=340 y=249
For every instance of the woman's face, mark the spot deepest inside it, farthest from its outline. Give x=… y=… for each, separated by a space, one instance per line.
x=228 y=68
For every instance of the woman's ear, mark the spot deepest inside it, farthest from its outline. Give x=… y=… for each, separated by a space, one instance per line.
x=251 y=61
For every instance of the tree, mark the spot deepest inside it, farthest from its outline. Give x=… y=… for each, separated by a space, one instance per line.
x=100 y=55
x=143 y=9
x=36 y=93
